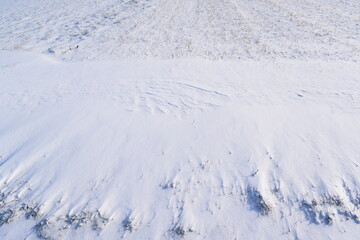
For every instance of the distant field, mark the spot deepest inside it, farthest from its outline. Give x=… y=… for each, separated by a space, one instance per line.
x=211 y=29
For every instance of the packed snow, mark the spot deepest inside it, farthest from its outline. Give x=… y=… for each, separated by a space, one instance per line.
x=193 y=119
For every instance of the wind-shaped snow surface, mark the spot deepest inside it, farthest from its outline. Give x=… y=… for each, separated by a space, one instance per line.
x=168 y=149
x=157 y=137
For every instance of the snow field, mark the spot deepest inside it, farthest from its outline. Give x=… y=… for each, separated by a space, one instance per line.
x=168 y=119
x=210 y=29
x=166 y=149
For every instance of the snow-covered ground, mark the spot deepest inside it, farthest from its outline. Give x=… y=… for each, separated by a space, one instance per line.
x=195 y=119
x=212 y=29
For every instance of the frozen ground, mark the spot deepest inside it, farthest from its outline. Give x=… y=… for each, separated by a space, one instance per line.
x=179 y=119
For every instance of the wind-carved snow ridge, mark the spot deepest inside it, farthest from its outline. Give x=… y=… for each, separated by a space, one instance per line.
x=187 y=195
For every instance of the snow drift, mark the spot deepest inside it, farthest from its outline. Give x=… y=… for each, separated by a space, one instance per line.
x=165 y=149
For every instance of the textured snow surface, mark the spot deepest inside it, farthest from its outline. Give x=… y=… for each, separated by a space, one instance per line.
x=166 y=149
x=170 y=119
x=212 y=29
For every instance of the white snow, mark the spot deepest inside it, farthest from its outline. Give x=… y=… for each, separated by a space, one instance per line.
x=211 y=29
x=179 y=119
